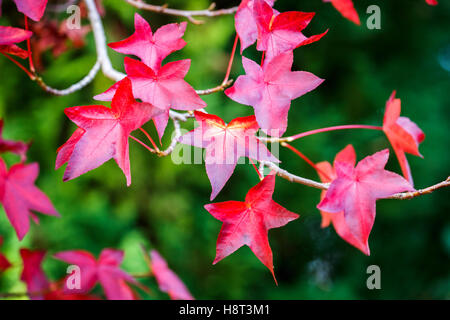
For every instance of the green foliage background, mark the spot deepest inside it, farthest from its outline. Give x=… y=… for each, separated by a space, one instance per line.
x=164 y=206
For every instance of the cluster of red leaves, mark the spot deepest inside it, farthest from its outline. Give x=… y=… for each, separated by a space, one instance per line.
x=105 y=271
x=269 y=88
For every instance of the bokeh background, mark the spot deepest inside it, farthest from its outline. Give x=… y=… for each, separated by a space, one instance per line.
x=163 y=208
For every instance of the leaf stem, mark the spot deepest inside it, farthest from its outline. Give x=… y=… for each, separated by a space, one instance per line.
x=312 y=132
x=230 y=63
x=143 y=144
x=30 y=75
x=30 y=57
x=150 y=139
x=306 y=159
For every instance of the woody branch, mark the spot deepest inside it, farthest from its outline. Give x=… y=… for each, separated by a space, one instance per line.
x=189 y=14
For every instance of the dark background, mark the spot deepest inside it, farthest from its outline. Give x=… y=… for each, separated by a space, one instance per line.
x=163 y=208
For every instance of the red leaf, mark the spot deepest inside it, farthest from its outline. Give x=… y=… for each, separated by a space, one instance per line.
x=355 y=191
x=270 y=90
x=104 y=133
x=164 y=88
x=33 y=9
x=9 y=36
x=152 y=49
x=32 y=273
x=245 y=23
x=106 y=270
x=225 y=144
x=280 y=33
x=19 y=196
x=17 y=147
x=248 y=223
x=403 y=134
x=4 y=263
x=432 y=2
x=167 y=280
x=347 y=9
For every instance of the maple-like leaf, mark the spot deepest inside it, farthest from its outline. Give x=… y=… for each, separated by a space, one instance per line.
x=33 y=9
x=4 y=263
x=248 y=223
x=225 y=144
x=106 y=270
x=270 y=90
x=152 y=49
x=167 y=280
x=403 y=134
x=18 y=147
x=32 y=273
x=327 y=174
x=164 y=88
x=245 y=23
x=103 y=133
x=347 y=9
x=356 y=189
x=19 y=196
x=9 y=36
x=280 y=33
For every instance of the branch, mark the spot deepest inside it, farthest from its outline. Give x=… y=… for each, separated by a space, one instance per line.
x=324 y=186
x=417 y=193
x=210 y=12
x=73 y=88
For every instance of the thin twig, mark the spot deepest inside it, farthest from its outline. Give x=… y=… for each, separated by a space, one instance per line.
x=210 y=12
x=73 y=88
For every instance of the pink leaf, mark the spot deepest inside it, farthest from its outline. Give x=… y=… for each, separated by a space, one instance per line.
x=19 y=196
x=106 y=270
x=270 y=90
x=354 y=192
x=225 y=144
x=167 y=280
x=152 y=49
x=34 y=9
x=164 y=88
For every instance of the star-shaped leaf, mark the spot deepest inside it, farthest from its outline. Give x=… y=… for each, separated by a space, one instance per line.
x=327 y=174
x=164 y=88
x=403 y=134
x=19 y=196
x=103 y=133
x=270 y=90
x=356 y=189
x=106 y=270
x=248 y=223
x=245 y=23
x=225 y=144
x=152 y=49
x=280 y=33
